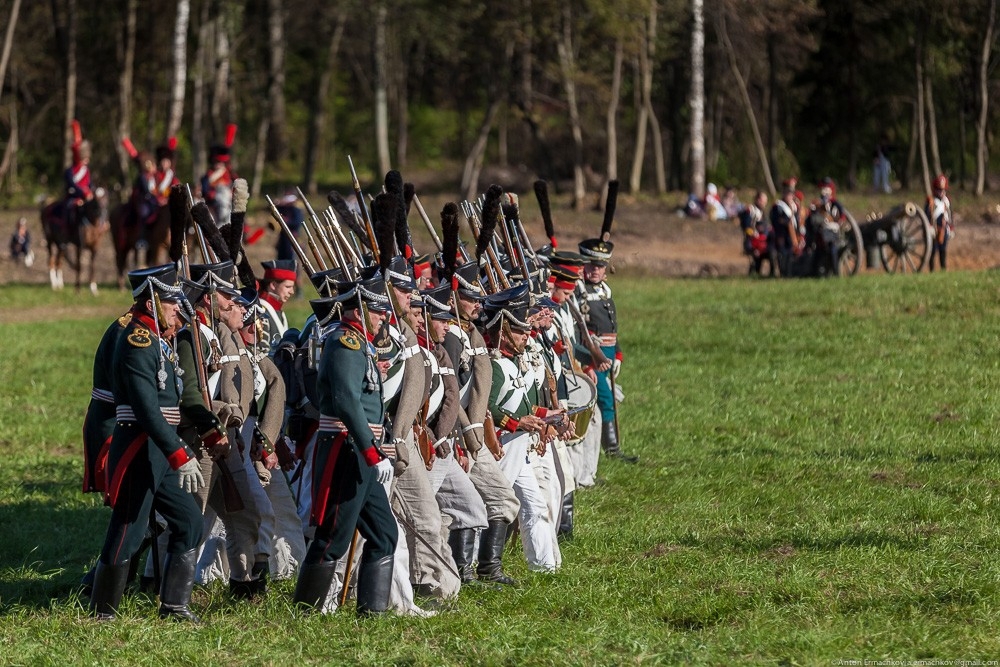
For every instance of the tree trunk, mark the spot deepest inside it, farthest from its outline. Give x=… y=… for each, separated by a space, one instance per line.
x=277 y=140
x=612 y=119
x=70 y=79
x=474 y=161
x=8 y=42
x=402 y=110
x=642 y=120
x=180 y=68
x=564 y=46
x=317 y=115
x=962 y=141
x=125 y=89
x=747 y=104
x=772 y=105
x=221 y=112
x=9 y=162
x=932 y=133
x=911 y=156
x=698 y=99
x=202 y=65
x=381 y=95
x=921 y=119
x=654 y=123
x=984 y=99
x=258 y=163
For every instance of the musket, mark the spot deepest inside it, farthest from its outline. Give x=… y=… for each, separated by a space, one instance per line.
x=427 y=223
x=335 y=244
x=291 y=237
x=197 y=229
x=343 y=243
x=596 y=353
x=494 y=270
x=490 y=277
x=516 y=251
x=314 y=247
x=324 y=242
x=365 y=217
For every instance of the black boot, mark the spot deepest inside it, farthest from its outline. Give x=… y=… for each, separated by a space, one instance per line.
x=87 y=583
x=242 y=590
x=609 y=442
x=491 y=544
x=314 y=584
x=178 y=580
x=261 y=572
x=566 y=518
x=461 y=542
x=109 y=585
x=374 y=583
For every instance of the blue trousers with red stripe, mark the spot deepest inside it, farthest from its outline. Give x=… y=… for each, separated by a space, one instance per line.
x=347 y=495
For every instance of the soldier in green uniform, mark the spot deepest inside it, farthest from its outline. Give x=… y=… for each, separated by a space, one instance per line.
x=149 y=466
x=598 y=309
x=349 y=469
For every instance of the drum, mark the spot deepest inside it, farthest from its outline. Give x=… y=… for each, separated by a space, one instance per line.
x=580 y=404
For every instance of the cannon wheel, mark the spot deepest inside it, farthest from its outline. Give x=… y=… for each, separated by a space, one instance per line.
x=851 y=245
x=909 y=246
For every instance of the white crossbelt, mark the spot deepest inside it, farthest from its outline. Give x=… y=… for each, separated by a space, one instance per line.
x=333 y=424
x=607 y=340
x=124 y=413
x=102 y=395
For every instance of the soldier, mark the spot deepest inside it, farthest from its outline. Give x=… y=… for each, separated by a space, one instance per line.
x=165 y=176
x=277 y=287
x=77 y=176
x=784 y=226
x=470 y=358
x=520 y=422
x=938 y=211
x=149 y=466
x=144 y=202
x=349 y=467
x=757 y=242
x=599 y=311
x=823 y=229
x=217 y=183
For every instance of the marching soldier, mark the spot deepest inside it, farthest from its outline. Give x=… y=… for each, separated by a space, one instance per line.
x=149 y=466
x=938 y=211
x=349 y=468
x=599 y=311
x=470 y=358
x=277 y=287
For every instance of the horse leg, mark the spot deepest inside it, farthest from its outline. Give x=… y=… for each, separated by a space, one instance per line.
x=52 y=268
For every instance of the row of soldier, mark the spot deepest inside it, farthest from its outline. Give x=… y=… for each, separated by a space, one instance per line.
x=397 y=429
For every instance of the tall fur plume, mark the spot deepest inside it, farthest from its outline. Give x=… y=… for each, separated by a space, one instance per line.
x=346 y=217
x=449 y=240
x=489 y=218
x=609 y=210
x=180 y=217
x=408 y=193
x=542 y=194
x=238 y=219
x=393 y=182
x=384 y=211
x=245 y=272
x=203 y=218
x=404 y=242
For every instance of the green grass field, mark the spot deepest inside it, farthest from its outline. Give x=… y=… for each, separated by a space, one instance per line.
x=819 y=483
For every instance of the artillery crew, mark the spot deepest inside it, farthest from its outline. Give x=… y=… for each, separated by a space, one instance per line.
x=403 y=426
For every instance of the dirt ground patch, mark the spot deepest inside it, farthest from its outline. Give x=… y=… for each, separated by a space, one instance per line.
x=649 y=236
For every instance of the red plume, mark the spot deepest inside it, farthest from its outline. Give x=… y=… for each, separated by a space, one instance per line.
x=230 y=134
x=129 y=148
x=77 y=132
x=172 y=143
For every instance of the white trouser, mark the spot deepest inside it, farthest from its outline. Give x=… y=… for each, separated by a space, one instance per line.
x=536 y=529
x=456 y=495
x=586 y=453
x=547 y=476
x=264 y=547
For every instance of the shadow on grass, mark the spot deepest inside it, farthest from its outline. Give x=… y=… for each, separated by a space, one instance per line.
x=48 y=546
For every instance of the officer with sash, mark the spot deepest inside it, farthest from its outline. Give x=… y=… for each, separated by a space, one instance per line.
x=349 y=469
x=149 y=466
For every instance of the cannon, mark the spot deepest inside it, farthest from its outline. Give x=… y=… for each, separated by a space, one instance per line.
x=901 y=239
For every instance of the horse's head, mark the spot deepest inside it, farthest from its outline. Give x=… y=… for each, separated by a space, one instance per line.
x=95 y=210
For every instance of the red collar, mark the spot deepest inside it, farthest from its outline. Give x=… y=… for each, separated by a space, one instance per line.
x=143 y=318
x=356 y=326
x=422 y=341
x=271 y=300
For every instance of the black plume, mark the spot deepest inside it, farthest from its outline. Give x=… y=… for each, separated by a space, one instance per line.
x=542 y=194
x=180 y=217
x=449 y=240
x=203 y=218
x=384 y=211
x=346 y=217
x=245 y=272
x=609 y=210
x=408 y=192
x=404 y=242
x=490 y=216
x=393 y=182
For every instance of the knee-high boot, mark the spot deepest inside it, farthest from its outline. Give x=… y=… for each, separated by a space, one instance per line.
x=109 y=586
x=374 y=584
x=313 y=584
x=462 y=541
x=491 y=544
x=178 y=580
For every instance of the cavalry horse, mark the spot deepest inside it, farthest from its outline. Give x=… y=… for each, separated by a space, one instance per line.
x=126 y=234
x=85 y=231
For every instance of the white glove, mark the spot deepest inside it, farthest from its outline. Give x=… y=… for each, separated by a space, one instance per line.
x=383 y=471
x=616 y=367
x=190 y=476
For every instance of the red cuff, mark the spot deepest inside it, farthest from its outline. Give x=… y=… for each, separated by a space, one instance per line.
x=212 y=438
x=508 y=423
x=372 y=457
x=540 y=412
x=618 y=356
x=458 y=450
x=179 y=457
x=558 y=347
